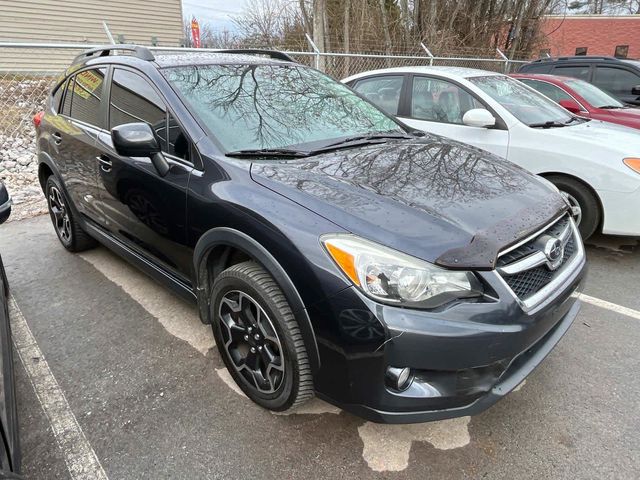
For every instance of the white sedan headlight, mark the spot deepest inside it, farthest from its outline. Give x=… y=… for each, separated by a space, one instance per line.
x=393 y=277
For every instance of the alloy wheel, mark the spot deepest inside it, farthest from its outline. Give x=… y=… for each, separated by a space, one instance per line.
x=60 y=213
x=576 y=209
x=251 y=341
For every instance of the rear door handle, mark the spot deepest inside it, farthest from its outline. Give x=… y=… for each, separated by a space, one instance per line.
x=57 y=138
x=105 y=163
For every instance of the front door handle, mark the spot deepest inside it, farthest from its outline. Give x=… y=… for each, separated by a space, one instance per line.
x=105 y=163
x=57 y=138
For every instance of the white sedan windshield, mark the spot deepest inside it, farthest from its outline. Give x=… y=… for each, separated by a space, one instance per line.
x=524 y=103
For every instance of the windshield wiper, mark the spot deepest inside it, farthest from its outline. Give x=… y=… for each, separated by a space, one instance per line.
x=549 y=124
x=268 y=152
x=611 y=107
x=575 y=119
x=370 y=138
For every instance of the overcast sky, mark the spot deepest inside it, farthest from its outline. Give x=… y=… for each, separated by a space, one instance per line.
x=216 y=12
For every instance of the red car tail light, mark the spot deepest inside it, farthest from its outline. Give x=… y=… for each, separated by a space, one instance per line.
x=37 y=119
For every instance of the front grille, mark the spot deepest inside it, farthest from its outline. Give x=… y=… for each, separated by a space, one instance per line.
x=527 y=282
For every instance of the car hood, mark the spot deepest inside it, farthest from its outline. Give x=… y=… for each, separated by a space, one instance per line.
x=433 y=198
x=600 y=135
x=629 y=115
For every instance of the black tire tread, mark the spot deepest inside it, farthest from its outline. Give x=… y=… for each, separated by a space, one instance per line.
x=265 y=282
x=80 y=240
x=591 y=213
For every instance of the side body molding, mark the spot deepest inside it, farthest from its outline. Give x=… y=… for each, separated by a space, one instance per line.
x=223 y=236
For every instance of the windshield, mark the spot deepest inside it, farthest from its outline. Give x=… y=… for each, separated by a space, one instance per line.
x=593 y=94
x=521 y=101
x=251 y=107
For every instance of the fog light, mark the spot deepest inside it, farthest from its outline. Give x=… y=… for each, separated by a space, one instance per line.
x=398 y=378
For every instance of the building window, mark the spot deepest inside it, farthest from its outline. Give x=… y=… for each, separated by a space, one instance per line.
x=622 y=51
x=581 y=51
x=545 y=53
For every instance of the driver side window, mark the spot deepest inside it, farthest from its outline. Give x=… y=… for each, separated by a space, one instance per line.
x=552 y=91
x=437 y=100
x=134 y=100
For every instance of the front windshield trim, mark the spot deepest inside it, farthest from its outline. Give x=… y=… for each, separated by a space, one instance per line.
x=396 y=125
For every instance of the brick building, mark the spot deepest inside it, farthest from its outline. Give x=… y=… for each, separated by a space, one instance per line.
x=611 y=35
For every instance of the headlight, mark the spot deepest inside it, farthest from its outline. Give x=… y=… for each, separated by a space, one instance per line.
x=394 y=277
x=633 y=164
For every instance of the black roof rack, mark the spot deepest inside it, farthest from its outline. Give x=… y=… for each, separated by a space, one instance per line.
x=577 y=58
x=143 y=53
x=275 y=54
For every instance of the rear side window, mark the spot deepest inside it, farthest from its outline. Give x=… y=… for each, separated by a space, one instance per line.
x=575 y=71
x=133 y=99
x=86 y=89
x=384 y=91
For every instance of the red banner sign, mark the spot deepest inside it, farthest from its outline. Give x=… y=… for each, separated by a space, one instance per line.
x=195 y=33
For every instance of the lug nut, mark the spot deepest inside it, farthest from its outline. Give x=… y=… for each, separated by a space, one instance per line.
x=249 y=329
x=259 y=348
x=246 y=338
x=256 y=336
x=253 y=350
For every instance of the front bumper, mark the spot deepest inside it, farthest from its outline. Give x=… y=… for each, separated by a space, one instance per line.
x=463 y=358
x=620 y=212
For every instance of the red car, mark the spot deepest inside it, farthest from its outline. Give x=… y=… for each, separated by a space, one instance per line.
x=582 y=98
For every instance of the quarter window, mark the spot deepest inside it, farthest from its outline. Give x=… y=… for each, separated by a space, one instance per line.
x=384 y=91
x=437 y=100
x=57 y=98
x=616 y=81
x=66 y=106
x=86 y=89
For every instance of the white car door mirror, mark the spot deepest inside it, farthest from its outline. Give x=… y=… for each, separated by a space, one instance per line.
x=479 y=117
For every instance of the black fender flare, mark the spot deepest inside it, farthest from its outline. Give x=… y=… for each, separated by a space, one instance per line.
x=224 y=236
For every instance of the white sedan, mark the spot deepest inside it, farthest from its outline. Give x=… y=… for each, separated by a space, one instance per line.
x=596 y=164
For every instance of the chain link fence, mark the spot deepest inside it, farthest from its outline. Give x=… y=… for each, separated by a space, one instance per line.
x=29 y=71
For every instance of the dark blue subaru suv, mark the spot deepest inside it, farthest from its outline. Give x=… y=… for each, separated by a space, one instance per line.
x=335 y=252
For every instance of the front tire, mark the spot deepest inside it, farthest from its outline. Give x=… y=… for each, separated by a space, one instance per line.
x=259 y=339
x=585 y=206
x=70 y=234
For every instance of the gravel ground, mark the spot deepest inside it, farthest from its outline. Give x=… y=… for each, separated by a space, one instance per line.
x=25 y=191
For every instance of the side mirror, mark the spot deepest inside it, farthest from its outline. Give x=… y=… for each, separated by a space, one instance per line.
x=570 y=105
x=139 y=140
x=635 y=90
x=479 y=117
x=135 y=140
x=5 y=203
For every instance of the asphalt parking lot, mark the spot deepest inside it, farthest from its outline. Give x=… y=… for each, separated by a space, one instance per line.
x=129 y=386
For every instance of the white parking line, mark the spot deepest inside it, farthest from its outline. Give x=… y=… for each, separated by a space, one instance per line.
x=614 y=307
x=80 y=458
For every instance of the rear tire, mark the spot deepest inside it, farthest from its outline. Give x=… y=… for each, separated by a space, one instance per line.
x=259 y=339
x=581 y=196
x=70 y=234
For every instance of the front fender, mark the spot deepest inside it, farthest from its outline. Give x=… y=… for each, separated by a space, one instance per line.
x=224 y=236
